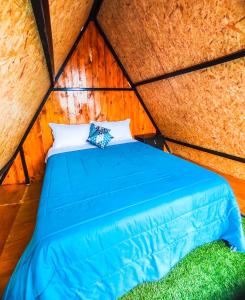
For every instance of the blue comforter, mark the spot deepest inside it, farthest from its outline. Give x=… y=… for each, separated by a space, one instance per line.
x=111 y=219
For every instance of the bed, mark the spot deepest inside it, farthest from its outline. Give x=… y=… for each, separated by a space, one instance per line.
x=111 y=219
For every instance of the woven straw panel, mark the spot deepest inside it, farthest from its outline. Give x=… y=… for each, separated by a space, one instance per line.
x=23 y=73
x=220 y=164
x=67 y=19
x=205 y=108
x=157 y=37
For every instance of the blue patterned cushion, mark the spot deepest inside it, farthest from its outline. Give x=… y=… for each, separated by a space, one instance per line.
x=99 y=136
x=94 y=127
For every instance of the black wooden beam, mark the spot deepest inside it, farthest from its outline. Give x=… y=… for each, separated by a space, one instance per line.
x=42 y=16
x=66 y=89
x=204 y=65
x=23 y=161
x=96 y=8
x=4 y=171
x=203 y=149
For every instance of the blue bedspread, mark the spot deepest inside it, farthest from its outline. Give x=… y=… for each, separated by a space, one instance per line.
x=111 y=219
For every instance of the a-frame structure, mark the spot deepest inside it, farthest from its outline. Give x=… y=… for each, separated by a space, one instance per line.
x=100 y=14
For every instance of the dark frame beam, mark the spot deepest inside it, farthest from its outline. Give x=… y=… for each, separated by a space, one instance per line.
x=203 y=149
x=4 y=171
x=23 y=161
x=96 y=8
x=84 y=89
x=42 y=16
x=224 y=59
x=201 y=66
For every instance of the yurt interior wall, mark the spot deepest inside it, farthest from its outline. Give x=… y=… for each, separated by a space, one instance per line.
x=174 y=68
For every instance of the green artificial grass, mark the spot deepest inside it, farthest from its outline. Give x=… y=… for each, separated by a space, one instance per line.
x=210 y=272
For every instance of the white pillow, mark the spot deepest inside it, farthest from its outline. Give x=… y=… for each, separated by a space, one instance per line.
x=69 y=135
x=120 y=130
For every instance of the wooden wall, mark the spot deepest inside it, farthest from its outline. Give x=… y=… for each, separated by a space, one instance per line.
x=91 y=65
x=204 y=108
x=23 y=73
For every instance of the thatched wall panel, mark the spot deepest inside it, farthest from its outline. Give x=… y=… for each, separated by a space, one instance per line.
x=219 y=164
x=204 y=108
x=67 y=19
x=23 y=73
x=156 y=37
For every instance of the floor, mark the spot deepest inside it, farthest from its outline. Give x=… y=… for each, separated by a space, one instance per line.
x=18 y=208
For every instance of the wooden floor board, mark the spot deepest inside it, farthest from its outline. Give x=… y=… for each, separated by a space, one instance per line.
x=7 y=217
x=20 y=231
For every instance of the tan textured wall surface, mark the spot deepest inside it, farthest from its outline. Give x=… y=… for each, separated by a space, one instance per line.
x=23 y=74
x=220 y=164
x=67 y=19
x=159 y=36
x=204 y=108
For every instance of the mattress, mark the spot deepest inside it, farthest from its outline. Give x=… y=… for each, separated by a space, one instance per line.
x=111 y=219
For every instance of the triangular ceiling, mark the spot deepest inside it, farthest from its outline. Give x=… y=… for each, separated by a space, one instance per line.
x=150 y=38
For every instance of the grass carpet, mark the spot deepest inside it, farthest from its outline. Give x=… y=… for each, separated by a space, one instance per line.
x=210 y=272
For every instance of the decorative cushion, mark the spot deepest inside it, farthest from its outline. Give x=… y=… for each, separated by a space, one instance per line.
x=94 y=128
x=99 y=136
